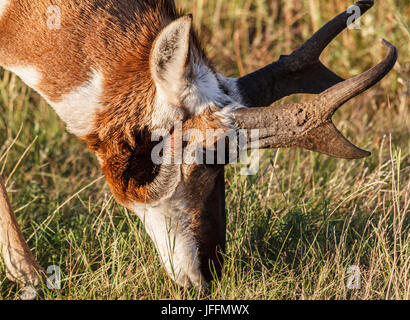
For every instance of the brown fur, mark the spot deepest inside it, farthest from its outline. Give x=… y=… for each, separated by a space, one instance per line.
x=116 y=37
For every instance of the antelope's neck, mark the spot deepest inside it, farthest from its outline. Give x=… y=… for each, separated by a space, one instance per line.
x=92 y=68
x=94 y=61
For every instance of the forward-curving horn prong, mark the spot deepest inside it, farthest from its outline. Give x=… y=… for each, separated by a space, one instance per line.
x=309 y=124
x=300 y=72
x=339 y=94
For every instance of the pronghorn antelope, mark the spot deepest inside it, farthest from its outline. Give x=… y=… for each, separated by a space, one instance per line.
x=115 y=71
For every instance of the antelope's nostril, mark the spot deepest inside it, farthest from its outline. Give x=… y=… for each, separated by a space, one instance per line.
x=188 y=279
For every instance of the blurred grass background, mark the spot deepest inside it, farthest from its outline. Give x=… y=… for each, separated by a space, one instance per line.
x=292 y=233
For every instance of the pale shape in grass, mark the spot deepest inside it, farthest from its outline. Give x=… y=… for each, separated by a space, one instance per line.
x=28 y=293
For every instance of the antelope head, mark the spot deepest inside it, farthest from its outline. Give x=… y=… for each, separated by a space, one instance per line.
x=184 y=78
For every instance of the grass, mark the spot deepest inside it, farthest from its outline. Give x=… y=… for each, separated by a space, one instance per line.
x=292 y=233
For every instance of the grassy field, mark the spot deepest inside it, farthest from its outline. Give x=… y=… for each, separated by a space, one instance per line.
x=292 y=233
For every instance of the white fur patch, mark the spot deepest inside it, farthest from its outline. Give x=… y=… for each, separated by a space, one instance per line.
x=79 y=107
x=203 y=91
x=177 y=248
x=232 y=85
x=165 y=114
x=3 y=6
x=225 y=114
x=196 y=97
x=28 y=74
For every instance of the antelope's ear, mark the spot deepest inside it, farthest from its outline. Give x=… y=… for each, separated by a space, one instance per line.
x=170 y=59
